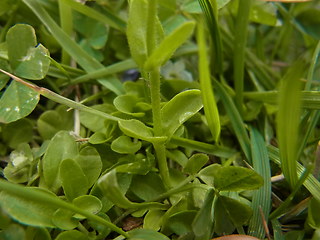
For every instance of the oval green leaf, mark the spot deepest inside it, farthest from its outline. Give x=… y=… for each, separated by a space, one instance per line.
x=195 y=163
x=125 y=145
x=74 y=181
x=62 y=146
x=17 y=102
x=179 y=109
x=90 y=163
x=233 y=178
x=27 y=59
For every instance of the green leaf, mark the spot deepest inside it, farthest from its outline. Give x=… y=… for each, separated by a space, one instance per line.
x=17 y=102
x=288 y=119
x=207 y=174
x=261 y=199
x=180 y=223
x=90 y=163
x=137 y=31
x=202 y=225
x=137 y=129
x=71 y=235
x=53 y=121
x=195 y=163
x=146 y=234
x=27 y=59
x=233 y=178
x=209 y=103
x=169 y=45
x=153 y=219
x=264 y=13
x=17 y=132
x=62 y=146
x=88 y=203
x=63 y=219
x=147 y=187
x=179 y=109
x=237 y=212
x=138 y=164
x=128 y=105
x=25 y=211
x=13 y=232
x=108 y=183
x=124 y=145
x=74 y=181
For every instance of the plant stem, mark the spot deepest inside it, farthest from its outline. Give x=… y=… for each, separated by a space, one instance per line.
x=154 y=77
x=151 y=27
x=160 y=149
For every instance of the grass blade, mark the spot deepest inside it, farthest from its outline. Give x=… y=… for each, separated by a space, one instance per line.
x=288 y=119
x=240 y=41
x=261 y=198
x=311 y=183
x=209 y=103
x=236 y=120
x=213 y=26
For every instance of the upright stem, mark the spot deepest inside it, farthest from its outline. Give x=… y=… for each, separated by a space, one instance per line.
x=154 y=78
x=160 y=148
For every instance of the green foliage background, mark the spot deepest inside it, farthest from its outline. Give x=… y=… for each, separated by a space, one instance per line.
x=172 y=119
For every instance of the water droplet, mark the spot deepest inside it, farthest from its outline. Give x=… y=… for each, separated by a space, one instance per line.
x=17 y=109
x=8 y=109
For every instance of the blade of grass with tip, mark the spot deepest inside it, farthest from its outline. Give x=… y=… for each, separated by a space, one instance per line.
x=261 y=198
x=208 y=99
x=288 y=118
x=212 y=23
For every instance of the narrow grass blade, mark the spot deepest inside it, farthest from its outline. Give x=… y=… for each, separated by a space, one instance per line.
x=311 y=183
x=203 y=147
x=261 y=198
x=240 y=41
x=209 y=103
x=236 y=120
x=107 y=18
x=284 y=205
x=74 y=50
x=309 y=99
x=212 y=22
x=288 y=119
x=106 y=71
